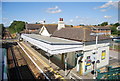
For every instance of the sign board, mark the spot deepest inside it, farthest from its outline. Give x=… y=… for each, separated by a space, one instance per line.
x=93 y=57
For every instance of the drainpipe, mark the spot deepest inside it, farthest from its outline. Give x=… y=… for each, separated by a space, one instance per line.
x=78 y=64
x=49 y=59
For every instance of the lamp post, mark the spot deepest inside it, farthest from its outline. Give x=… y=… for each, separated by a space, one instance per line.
x=94 y=62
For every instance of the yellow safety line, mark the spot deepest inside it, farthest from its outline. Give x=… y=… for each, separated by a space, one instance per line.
x=45 y=64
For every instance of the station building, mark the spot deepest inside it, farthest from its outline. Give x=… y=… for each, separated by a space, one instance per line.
x=71 y=47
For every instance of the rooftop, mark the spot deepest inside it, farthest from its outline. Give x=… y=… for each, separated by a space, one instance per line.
x=78 y=34
x=52 y=40
x=53 y=45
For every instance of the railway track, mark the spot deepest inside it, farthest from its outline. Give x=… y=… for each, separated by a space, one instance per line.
x=17 y=72
x=18 y=68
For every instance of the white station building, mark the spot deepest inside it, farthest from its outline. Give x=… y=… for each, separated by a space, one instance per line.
x=71 y=47
x=73 y=53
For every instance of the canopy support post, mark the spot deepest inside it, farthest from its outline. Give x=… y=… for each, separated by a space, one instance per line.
x=49 y=59
x=65 y=64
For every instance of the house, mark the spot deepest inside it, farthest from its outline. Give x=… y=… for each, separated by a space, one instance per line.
x=32 y=28
x=102 y=29
x=49 y=29
x=45 y=29
x=98 y=29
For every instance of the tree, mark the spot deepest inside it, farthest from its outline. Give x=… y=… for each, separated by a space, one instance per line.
x=16 y=26
x=2 y=28
x=81 y=24
x=114 y=30
x=104 y=24
x=116 y=24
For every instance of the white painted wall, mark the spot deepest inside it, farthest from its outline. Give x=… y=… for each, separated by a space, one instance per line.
x=102 y=63
x=60 y=25
x=44 y=31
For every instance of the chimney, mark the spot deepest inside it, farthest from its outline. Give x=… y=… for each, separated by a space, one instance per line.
x=61 y=24
x=61 y=19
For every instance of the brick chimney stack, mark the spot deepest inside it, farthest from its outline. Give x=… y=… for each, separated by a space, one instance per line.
x=61 y=19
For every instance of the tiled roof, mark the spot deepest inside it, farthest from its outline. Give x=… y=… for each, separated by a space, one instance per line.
x=33 y=26
x=78 y=34
x=99 y=27
x=51 y=27
x=30 y=31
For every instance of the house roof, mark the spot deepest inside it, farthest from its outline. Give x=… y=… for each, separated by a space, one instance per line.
x=78 y=34
x=99 y=27
x=50 y=27
x=32 y=31
x=77 y=26
x=34 y=26
x=53 y=27
x=102 y=27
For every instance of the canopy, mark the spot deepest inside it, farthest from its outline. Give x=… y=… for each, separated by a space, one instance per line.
x=53 y=45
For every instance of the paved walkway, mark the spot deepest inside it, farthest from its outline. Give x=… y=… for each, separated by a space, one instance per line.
x=114 y=54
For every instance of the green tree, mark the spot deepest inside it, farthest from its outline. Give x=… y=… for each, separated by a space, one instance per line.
x=104 y=24
x=116 y=24
x=2 y=28
x=16 y=26
x=114 y=30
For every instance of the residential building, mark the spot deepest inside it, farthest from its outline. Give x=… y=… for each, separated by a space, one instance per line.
x=49 y=29
x=102 y=29
x=32 y=28
x=45 y=29
x=98 y=29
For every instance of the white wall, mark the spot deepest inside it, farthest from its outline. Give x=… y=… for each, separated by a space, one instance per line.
x=60 y=25
x=102 y=63
x=44 y=31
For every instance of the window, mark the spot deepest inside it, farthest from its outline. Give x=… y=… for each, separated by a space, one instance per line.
x=103 y=54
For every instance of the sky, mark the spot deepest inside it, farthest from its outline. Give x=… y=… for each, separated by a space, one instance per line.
x=73 y=13
x=58 y=0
